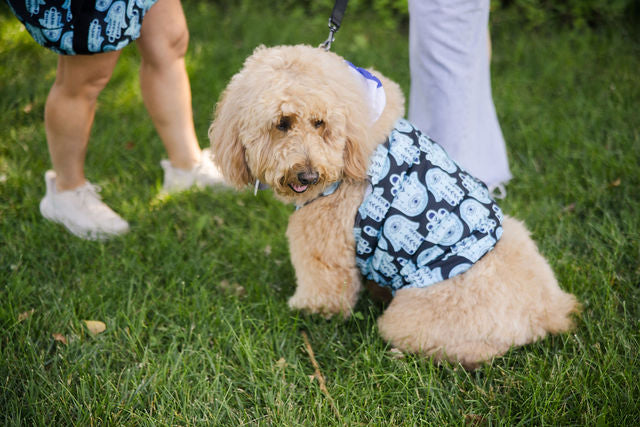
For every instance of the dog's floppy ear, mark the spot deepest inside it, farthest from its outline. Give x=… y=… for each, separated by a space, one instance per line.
x=226 y=143
x=364 y=128
x=363 y=137
x=359 y=145
x=357 y=150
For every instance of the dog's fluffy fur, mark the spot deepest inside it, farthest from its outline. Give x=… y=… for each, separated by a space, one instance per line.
x=299 y=109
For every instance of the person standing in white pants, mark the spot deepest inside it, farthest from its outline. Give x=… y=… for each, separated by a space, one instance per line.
x=450 y=97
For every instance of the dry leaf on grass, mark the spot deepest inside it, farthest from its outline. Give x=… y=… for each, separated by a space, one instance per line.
x=25 y=315
x=95 y=326
x=60 y=338
x=239 y=291
x=235 y=288
x=473 y=420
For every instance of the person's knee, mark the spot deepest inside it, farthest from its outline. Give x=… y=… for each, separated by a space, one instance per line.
x=179 y=43
x=166 y=48
x=91 y=85
x=95 y=83
x=85 y=79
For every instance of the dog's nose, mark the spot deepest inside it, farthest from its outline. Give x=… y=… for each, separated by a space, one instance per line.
x=308 y=178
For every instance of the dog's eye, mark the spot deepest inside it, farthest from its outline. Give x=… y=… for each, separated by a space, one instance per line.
x=318 y=123
x=284 y=124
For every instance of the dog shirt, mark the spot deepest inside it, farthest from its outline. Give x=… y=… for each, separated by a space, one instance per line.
x=423 y=218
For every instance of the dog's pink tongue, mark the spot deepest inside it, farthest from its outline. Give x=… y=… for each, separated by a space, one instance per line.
x=299 y=188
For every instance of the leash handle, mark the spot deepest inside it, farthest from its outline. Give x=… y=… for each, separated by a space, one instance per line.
x=334 y=22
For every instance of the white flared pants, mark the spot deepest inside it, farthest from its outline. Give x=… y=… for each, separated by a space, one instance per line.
x=450 y=96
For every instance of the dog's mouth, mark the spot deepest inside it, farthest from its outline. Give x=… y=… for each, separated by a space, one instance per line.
x=298 y=188
x=302 y=181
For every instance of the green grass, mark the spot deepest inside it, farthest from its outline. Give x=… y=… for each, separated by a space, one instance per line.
x=194 y=297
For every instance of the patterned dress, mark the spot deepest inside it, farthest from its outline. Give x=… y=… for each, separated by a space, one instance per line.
x=423 y=219
x=76 y=27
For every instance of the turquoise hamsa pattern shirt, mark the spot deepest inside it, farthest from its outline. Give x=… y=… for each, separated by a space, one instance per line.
x=423 y=218
x=76 y=27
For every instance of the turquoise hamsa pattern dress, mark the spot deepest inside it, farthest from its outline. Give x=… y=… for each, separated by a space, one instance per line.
x=76 y=27
x=423 y=219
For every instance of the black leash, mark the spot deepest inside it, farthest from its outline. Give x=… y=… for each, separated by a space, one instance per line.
x=334 y=22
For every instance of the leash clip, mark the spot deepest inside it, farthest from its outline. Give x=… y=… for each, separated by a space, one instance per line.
x=333 y=28
x=337 y=13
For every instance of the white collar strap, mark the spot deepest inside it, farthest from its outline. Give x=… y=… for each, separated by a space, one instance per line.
x=372 y=86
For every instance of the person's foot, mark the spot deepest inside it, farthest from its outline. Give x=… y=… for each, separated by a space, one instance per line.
x=81 y=211
x=203 y=174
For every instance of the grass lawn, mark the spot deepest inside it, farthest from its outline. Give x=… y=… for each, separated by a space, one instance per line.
x=194 y=297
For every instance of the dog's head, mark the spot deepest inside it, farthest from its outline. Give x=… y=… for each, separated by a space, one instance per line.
x=296 y=118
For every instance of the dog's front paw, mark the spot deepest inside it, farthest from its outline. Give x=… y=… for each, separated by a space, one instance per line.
x=326 y=307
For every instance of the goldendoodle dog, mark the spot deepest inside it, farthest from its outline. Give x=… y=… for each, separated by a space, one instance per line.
x=377 y=199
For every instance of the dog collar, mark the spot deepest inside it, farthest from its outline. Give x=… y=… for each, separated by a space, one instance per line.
x=373 y=89
x=259 y=186
x=327 y=192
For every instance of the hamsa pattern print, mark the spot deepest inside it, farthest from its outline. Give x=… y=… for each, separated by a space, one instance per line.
x=423 y=218
x=72 y=27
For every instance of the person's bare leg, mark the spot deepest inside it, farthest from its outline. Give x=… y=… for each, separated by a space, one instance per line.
x=69 y=112
x=164 y=81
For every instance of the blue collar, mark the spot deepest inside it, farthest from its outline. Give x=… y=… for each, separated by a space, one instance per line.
x=327 y=192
